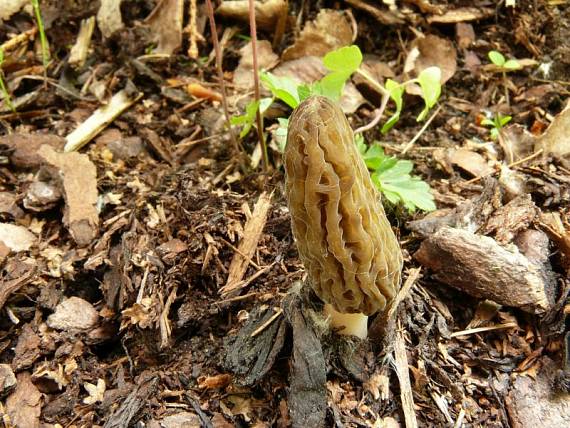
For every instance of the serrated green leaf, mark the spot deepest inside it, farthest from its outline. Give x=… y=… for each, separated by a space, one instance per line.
x=346 y=59
x=283 y=88
x=396 y=91
x=497 y=58
x=512 y=64
x=398 y=186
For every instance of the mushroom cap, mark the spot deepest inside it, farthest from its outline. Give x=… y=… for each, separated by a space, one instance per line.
x=344 y=239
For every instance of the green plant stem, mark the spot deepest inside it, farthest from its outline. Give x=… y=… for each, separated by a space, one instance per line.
x=259 y=119
x=218 y=52
x=43 y=38
x=373 y=82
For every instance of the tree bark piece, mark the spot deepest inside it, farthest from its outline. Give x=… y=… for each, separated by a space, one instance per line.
x=479 y=266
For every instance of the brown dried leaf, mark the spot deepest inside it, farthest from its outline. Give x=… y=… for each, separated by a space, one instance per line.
x=472 y=162
x=165 y=22
x=432 y=51
x=266 y=13
x=213 y=382
x=556 y=139
x=266 y=59
x=332 y=29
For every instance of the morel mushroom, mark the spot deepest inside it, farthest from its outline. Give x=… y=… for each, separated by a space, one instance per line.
x=345 y=241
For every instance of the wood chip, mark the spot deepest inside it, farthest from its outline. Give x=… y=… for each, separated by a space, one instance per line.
x=247 y=246
x=79 y=180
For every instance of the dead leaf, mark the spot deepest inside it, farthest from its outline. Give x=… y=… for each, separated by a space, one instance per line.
x=516 y=142
x=79 y=181
x=465 y=35
x=556 y=139
x=469 y=161
x=430 y=51
x=17 y=238
x=266 y=59
x=23 y=406
x=332 y=29
x=213 y=382
x=96 y=392
x=165 y=23
x=140 y=314
x=266 y=13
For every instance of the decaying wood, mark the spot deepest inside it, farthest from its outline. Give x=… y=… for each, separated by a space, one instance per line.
x=249 y=355
x=531 y=402
x=246 y=249
x=406 y=394
x=307 y=394
x=479 y=266
x=8 y=287
x=136 y=400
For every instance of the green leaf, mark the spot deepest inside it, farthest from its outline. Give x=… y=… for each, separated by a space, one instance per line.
x=512 y=64
x=393 y=179
x=283 y=88
x=304 y=92
x=247 y=119
x=396 y=91
x=430 y=83
x=503 y=120
x=280 y=135
x=487 y=122
x=332 y=85
x=497 y=58
x=346 y=59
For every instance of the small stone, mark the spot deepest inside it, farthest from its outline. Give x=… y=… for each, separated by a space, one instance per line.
x=181 y=420
x=17 y=238
x=42 y=196
x=72 y=315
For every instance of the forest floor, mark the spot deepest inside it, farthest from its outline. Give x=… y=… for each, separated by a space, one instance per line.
x=133 y=266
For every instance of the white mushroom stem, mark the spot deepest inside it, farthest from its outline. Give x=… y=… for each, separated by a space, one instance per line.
x=348 y=324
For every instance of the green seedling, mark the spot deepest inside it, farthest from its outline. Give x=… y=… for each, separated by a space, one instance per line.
x=505 y=65
x=496 y=124
x=392 y=177
x=341 y=65
x=43 y=38
x=3 y=88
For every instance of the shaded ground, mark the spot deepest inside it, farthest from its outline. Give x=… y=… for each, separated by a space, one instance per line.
x=146 y=338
